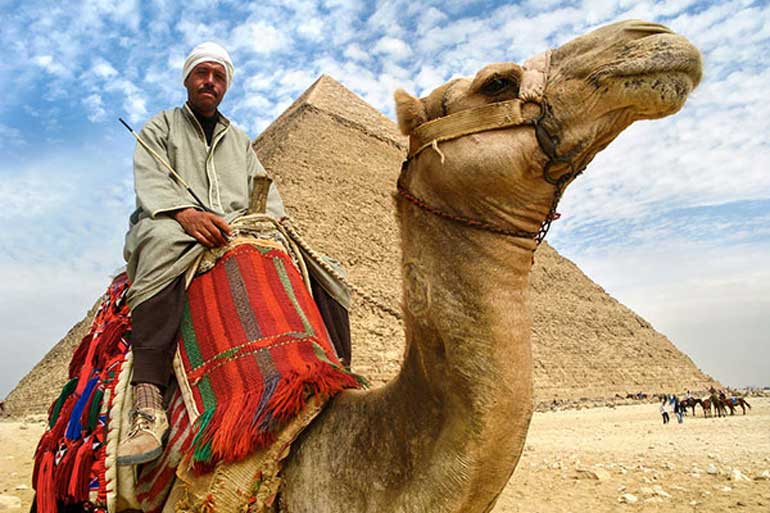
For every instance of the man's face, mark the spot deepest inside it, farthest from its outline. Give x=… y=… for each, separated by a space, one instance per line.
x=206 y=85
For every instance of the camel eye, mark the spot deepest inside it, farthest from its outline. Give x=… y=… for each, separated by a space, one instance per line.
x=498 y=85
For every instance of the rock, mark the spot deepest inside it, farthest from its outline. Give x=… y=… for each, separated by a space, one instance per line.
x=727 y=489
x=628 y=498
x=693 y=503
x=23 y=426
x=668 y=466
x=646 y=490
x=712 y=470
x=740 y=503
x=22 y=487
x=598 y=474
x=660 y=492
x=10 y=502
x=763 y=476
x=737 y=475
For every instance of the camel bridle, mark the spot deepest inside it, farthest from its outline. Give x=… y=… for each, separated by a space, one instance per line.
x=496 y=116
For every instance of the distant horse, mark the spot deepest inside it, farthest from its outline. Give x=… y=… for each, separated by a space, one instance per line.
x=690 y=402
x=739 y=401
x=727 y=404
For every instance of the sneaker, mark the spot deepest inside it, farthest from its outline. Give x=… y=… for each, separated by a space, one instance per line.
x=144 y=442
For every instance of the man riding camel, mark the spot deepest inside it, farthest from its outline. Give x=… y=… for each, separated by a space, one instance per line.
x=169 y=230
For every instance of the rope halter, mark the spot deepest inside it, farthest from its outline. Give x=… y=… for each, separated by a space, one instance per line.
x=496 y=116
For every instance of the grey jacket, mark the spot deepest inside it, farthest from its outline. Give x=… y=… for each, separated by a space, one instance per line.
x=157 y=249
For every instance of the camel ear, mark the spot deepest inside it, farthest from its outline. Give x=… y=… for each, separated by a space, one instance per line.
x=410 y=111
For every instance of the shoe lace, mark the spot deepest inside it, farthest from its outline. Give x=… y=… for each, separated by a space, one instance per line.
x=140 y=421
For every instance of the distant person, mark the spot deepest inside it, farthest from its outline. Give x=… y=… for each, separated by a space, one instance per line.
x=679 y=409
x=664 y=409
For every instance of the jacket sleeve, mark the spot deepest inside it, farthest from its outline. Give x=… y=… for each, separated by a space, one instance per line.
x=156 y=191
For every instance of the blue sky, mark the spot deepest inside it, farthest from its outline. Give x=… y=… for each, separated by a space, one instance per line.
x=673 y=219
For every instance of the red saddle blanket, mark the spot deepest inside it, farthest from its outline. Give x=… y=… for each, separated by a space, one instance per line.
x=253 y=346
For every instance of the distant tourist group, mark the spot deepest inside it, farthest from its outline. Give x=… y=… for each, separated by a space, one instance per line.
x=718 y=401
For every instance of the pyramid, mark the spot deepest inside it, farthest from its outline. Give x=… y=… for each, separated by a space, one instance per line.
x=335 y=160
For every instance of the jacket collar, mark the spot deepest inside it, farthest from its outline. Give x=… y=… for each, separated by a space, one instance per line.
x=223 y=121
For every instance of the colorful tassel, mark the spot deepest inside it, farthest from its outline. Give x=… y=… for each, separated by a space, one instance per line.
x=74 y=427
x=93 y=414
x=77 y=490
x=67 y=390
x=45 y=485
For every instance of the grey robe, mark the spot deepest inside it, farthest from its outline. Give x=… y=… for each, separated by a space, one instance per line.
x=157 y=249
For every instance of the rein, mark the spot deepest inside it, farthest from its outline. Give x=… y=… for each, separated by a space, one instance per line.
x=496 y=116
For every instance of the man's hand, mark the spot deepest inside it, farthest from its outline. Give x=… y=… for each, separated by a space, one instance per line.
x=207 y=228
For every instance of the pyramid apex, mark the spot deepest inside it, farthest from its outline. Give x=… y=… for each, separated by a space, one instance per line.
x=330 y=96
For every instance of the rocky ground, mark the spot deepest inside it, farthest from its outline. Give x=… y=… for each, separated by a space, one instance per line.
x=625 y=460
x=592 y=460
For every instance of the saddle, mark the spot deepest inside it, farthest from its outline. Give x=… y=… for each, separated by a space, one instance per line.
x=254 y=366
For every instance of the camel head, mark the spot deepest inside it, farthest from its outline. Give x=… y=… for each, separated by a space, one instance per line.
x=500 y=148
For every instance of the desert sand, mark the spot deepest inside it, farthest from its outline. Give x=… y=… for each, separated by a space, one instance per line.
x=575 y=461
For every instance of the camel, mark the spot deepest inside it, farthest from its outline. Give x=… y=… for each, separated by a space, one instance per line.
x=447 y=432
x=489 y=159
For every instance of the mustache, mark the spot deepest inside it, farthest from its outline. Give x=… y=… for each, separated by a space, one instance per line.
x=208 y=89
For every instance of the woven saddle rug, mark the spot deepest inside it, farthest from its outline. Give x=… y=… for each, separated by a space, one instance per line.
x=253 y=360
x=252 y=348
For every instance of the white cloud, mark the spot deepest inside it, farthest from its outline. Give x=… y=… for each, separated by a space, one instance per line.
x=48 y=63
x=257 y=36
x=312 y=29
x=95 y=108
x=295 y=81
x=103 y=69
x=393 y=47
x=10 y=136
x=354 y=52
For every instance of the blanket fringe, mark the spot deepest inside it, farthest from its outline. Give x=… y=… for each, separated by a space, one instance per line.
x=226 y=434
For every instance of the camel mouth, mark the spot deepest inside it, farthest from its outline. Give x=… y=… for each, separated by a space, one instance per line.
x=661 y=55
x=656 y=74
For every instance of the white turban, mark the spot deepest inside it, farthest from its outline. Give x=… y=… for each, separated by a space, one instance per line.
x=208 y=52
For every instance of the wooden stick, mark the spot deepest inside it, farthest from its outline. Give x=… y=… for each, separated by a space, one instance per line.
x=171 y=173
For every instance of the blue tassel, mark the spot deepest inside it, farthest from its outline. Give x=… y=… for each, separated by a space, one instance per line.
x=73 y=427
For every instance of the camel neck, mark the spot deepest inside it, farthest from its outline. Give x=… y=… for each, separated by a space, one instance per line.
x=468 y=350
x=445 y=435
